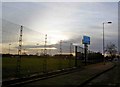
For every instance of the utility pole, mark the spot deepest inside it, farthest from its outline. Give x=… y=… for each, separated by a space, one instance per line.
x=19 y=53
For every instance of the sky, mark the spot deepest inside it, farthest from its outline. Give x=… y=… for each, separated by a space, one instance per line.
x=60 y=0
x=66 y=21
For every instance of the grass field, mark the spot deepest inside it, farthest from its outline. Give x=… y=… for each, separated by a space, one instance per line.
x=31 y=65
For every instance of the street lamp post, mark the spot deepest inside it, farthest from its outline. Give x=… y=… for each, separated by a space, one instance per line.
x=104 y=40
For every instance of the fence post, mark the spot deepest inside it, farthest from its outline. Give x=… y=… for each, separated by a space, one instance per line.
x=75 y=56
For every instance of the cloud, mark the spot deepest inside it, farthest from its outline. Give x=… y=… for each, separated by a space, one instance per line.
x=70 y=21
x=61 y=1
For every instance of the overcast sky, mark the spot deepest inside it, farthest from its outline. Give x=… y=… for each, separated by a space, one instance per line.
x=60 y=0
x=67 y=21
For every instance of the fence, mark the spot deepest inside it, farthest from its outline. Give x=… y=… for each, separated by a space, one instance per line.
x=38 y=54
x=33 y=58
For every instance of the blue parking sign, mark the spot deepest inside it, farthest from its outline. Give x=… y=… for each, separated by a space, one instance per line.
x=86 y=40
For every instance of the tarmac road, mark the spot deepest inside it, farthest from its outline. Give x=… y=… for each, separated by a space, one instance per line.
x=108 y=79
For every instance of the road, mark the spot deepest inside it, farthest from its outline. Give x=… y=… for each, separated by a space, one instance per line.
x=110 y=78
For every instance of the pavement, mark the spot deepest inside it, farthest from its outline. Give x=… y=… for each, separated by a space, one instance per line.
x=108 y=79
x=79 y=78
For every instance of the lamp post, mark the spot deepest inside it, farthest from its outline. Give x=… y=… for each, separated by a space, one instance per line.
x=104 y=40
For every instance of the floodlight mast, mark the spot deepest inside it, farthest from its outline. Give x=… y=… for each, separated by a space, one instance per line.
x=60 y=47
x=19 y=53
x=9 y=48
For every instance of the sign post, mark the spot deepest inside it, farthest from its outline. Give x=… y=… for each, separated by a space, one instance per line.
x=76 y=56
x=86 y=42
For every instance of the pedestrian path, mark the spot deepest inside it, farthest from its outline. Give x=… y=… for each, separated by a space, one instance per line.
x=108 y=79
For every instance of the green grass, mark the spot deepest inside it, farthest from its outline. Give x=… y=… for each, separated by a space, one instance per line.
x=34 y=65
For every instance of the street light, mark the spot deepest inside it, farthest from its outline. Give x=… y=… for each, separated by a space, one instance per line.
x=103 y=39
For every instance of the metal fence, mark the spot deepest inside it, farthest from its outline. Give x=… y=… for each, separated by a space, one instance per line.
x=28 y=52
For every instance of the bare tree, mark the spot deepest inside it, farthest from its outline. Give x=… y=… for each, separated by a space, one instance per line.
x=111 y=49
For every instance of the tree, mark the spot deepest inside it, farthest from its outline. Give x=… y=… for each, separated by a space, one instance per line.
x=111 y=49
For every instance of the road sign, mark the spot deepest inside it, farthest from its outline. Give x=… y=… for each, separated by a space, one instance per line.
x=86 y=40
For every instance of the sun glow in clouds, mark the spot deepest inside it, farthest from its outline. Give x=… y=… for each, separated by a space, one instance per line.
x=55 y=36
x=60 y=21
x=52 y=48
